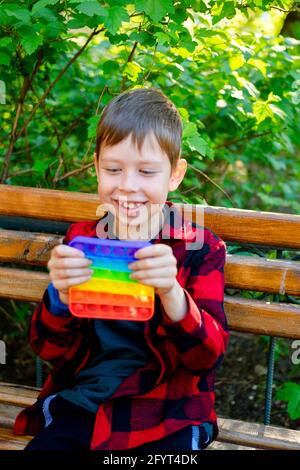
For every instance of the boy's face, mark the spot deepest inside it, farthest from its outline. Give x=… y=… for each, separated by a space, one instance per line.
x=135 y=184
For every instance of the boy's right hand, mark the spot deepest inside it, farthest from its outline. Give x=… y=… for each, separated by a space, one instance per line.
x=68 y=267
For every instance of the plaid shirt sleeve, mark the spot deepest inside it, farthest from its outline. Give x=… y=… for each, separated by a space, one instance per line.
x=51 y=336
x=201 y=337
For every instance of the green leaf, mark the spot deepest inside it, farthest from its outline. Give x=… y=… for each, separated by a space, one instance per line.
x=4 y=58
x=110 y=67
x=197 y=143
x=54 y=30
x=259 y=64
x=78 y=22
x=41 y=4
x=92 y=128
x=132 y=70
x=228 y=10
x=91 y=8
x=181 y=52
x=40 y=166
x=184 y=114
x=6 y=42
x=31 y=42
x=262 y=111
x=194 y=140
x=21 y=13
x=155 y=9
x=249 y=86
x=117 y=38
x=162 y=38
x=180 y=15
x=199 y=5
x=208 y=33
x=187 y=41
x=143 y=38
x=290 y=392
x=189 y=129
x=236 y=61
x=45 y=13
x=273 y=98
x=115 y=17
x=279 y=112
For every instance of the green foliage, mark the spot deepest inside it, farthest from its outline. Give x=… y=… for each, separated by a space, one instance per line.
x=237 y=91
x=281 y=347
x=290 y=392
x=155 y=9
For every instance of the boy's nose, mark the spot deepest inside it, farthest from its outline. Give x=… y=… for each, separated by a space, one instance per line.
x=128 y=182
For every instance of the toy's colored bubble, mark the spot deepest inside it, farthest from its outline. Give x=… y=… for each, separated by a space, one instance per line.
x=111 y=293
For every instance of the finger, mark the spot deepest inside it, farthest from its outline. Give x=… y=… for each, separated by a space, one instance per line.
x=148 y=263
x=67 y=251
x=69 y=282
x=61 y=263
x=154 y=273
x=157 y=282
x=154 y=250
x=65 y=273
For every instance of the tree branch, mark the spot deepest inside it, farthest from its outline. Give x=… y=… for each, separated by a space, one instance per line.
x=228 y=143
x=129 y=59
x=62 y=72
x=75 y=172
x=83 y=167
x=13 y=135
x=49 y=117
x=210 y=180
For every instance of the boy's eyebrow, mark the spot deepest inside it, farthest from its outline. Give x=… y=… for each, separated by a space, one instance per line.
x=116 y=159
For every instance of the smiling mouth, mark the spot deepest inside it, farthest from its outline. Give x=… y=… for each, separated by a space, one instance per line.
x=130 y=205
x=129 y=208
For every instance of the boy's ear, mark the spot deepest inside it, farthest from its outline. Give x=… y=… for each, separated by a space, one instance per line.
x=177 y=174
x=96 y=162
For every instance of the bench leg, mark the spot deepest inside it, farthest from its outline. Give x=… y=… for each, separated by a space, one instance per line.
x=269 y=380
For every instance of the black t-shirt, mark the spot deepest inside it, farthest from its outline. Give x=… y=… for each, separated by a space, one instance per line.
x=119 y=350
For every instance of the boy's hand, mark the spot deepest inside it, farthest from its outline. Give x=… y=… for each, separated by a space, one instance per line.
x=157 y=267
x=68 y=267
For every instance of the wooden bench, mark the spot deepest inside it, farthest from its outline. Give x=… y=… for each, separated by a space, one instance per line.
x=34 y=220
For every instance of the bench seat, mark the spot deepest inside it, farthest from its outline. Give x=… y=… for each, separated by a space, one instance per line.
x=233 y=435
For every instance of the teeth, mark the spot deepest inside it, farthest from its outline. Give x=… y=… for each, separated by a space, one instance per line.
x=130 y=205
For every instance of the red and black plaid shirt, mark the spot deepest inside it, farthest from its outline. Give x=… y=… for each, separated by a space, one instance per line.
x=176 y=389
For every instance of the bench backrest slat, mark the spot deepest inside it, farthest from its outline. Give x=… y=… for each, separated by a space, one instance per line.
x=244 y=226
x=26 y=247
x=262 y=275
x=246 y=315
x=241 y=272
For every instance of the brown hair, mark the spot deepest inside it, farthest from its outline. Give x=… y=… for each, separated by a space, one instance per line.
x=139 y=112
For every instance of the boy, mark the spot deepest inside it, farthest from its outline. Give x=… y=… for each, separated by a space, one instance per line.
x=126 y=384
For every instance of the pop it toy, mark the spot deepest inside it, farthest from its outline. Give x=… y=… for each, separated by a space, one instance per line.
x=110 y=293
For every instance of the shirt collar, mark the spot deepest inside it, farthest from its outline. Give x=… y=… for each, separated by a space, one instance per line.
x=176 y=226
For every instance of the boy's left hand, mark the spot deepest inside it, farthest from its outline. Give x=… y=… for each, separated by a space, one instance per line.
x=157 y=267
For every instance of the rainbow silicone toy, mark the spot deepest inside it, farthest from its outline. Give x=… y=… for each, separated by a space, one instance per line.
x=110 y=293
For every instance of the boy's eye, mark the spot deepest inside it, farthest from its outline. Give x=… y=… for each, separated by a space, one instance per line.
x=115 y=170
